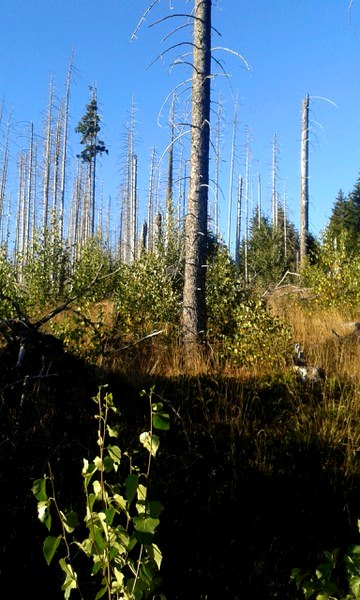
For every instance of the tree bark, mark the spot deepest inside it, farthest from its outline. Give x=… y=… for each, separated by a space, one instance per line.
x=304 y=185
x=194 y=303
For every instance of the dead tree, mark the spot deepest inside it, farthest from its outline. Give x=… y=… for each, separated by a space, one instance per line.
x=232 y=163
x=238 y=222
x=274 y=174
x=217 y=165
x=304 y=182
x=65 y=110
x=194 y=302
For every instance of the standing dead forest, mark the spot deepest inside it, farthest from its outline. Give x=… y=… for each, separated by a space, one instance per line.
x=180 y=411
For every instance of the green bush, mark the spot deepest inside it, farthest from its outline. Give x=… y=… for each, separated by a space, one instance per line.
x=10 y=291
x=224 y=290
x=259 y=339
x=45 y=271
x=146 y=295
x=335 y=275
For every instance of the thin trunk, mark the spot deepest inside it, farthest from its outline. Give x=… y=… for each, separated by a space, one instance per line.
x=64 y=148
x=134 y=207
x=274 y=195
x=285 y=223
x=150 y=201
x=194 y=300
x=238 y=222
x=19 y=237
x=259 y=201
x=55 y=190
x=304 y=182
x=29 y=192
x=217 y=166
x=4 y=173
x=34 y=215
x=169 y=226
x=47 y=164
x=129 y=241
x=232 y=163
x=246 y=211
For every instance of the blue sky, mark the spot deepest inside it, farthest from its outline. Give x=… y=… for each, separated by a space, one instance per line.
x=293 y=47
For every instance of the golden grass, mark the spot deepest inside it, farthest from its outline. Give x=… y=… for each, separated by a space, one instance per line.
x=329 y=413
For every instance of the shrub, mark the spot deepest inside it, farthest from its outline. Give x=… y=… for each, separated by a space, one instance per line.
x=120 y=521
x=259 y=338
x=146 y=296
x=335 y=275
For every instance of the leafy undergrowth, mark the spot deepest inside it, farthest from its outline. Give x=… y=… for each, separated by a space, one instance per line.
x=258 y=474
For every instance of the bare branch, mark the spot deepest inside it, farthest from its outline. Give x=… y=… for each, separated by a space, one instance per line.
x=169 y=50
x=150 y=335
x=323 y=98
x=166 y=37
x=181 y=15
x=169 y=96
x=63 y=306
x=133 y=36
x=172 y=143
x=248 y=68
x=226 y=75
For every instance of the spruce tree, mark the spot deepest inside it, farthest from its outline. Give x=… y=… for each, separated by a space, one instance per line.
x=345 y=219
x=89 y=128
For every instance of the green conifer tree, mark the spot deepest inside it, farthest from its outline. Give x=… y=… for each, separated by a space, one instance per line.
x=345 y=218
x=89 y=128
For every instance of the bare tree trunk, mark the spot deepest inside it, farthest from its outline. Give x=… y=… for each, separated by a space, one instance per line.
x=64 y=149
x=217 y=165
x=285 y=223
x=4 y=173
x=29 y=193
x=150 y=207
x=134 y=207
x=181 y=198
x=130 y=192
x=274 y=194
x=232 y=161
x=194 y=301
x=304 y=182
x=169 y=225
x=246 y=215
x=238 y=222
x=259 y=201
x=20 y=225
x=47 y=164
x=56 y=170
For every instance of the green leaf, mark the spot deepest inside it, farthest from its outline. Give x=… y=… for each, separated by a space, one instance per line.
x=354 y=585
x=101 y=593
x=70 y=521
x=108 y=464
x=98 y=463
x=155 y=508
x=50 y=546
x=161 y=421
x=155 y=553
x=39 y=489
x=150 y=442
x=70 y=578
x=131 y=484
x=112 y=432
x=114 y=453
x=145 y=524
x=110 y=514
x=44 y=515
